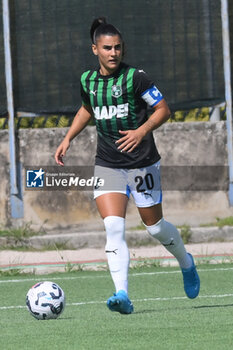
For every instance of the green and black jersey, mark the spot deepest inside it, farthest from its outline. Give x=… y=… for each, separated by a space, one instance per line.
x=119 y=102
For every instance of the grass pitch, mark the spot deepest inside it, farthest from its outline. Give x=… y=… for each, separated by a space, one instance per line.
x=163 y=319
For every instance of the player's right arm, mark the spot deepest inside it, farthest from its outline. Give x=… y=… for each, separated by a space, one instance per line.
x=80 y=121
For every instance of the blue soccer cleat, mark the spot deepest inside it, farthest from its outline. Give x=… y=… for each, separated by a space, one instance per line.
x=120 y=302
x=191 y=280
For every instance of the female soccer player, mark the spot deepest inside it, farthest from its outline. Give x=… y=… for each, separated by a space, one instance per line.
x=117 y=95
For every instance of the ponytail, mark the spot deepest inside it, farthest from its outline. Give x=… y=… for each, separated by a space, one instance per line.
x=101 y=27
x=95 y=24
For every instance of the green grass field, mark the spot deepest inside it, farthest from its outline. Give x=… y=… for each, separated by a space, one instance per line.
x=163 y=319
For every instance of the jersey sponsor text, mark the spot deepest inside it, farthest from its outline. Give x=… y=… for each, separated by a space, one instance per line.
x=108 y=112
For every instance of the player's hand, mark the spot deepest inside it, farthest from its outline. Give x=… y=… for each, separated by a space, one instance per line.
x=61 y=151
x=130 y=140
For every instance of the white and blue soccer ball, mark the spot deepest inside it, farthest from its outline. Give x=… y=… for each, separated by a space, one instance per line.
x=45 y=300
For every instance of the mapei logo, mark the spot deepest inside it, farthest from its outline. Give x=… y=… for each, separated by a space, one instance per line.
x=35 y=178
x=108 y=112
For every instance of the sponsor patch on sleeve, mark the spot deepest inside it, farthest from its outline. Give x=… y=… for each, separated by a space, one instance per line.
x=152 y=96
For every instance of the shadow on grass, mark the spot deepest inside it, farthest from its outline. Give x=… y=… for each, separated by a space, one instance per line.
x=181 y=308
x=211 y=306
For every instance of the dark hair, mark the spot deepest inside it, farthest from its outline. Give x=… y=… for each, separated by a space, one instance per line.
x=101 y=27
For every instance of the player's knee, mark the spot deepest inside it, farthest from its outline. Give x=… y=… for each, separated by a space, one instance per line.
x=156 y=230
x=115 y=230
x=165 y=232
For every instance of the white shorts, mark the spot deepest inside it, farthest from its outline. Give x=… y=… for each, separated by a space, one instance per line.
x=144 y=183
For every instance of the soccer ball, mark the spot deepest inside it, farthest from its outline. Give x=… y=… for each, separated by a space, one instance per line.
x=45 y=300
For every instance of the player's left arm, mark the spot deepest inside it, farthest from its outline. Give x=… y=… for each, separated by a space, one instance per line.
x=160 y=115
x=132 y=138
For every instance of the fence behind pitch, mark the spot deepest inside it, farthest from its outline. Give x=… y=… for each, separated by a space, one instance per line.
x=178 y=42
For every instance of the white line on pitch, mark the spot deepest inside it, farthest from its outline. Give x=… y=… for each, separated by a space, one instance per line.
x=135 y=300
x=107 y=276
